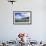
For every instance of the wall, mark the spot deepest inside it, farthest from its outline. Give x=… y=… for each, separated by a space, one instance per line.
x=9 y=31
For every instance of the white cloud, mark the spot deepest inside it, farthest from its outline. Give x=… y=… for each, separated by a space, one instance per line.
x=26 y=14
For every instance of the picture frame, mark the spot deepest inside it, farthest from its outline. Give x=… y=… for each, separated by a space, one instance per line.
x=22 y=17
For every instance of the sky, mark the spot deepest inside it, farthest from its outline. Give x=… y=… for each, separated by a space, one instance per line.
x=22 y=15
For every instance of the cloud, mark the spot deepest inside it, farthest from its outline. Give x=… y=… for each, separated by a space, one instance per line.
x=21 y=15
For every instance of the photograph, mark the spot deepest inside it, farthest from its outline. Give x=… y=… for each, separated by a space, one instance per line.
x=22 y=17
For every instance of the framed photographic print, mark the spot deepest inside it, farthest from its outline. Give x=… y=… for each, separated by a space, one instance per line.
x=22 y=17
